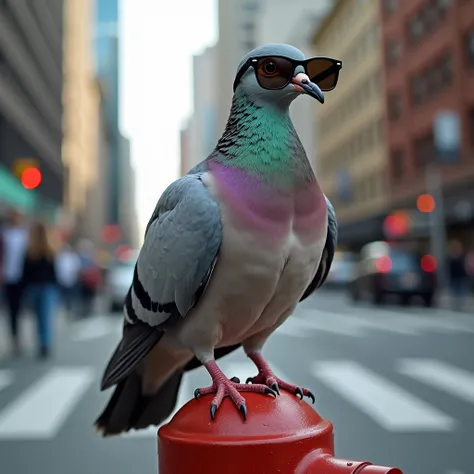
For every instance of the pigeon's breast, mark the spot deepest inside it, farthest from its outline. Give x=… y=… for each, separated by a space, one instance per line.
x=274 y=213
x=270 y=252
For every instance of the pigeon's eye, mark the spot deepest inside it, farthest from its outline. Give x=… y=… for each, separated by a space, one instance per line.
x=269 y=68
x=274 y=73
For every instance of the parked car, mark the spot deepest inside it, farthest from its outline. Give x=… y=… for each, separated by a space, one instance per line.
x=341 y=271
x=118 y=280
x=390 y=269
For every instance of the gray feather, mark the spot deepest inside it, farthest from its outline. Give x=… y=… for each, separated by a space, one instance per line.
x=181 y=245
x=328 y=253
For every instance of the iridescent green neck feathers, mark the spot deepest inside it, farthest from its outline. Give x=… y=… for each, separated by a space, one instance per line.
x=262 y=140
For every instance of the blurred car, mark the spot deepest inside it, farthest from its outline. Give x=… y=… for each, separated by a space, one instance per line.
x=117 y=282
x=341 y=271
x=389 y=269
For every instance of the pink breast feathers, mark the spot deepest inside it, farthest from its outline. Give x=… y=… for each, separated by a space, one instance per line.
x=256 y=206
x=310 y=212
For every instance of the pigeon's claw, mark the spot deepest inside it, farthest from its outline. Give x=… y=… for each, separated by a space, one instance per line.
x=267 y=377
x=223 y=387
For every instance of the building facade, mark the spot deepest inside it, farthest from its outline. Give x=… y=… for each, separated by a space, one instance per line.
x=31 y=76
x=202 y=127
x=81 y=99
x=98 y=195
x=128 y=214
x=185 y=148
x=352 y=155
x=237 y=36
x=280 y=21
x=107 y=45
x=428 y=69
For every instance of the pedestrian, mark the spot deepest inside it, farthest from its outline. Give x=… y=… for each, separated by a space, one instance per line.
x=13 y=242
x=40 y=283
x=458 y=275
x=89 y=278
x=68 y=266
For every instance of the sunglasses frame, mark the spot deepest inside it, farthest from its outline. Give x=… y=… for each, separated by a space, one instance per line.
x=254 y=61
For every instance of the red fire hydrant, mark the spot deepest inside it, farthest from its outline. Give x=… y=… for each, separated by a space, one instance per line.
x=280 y=436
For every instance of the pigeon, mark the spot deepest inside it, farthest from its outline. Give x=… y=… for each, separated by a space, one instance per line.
x=230 y=250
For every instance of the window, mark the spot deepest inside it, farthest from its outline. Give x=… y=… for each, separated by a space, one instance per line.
x=250 y=5
x=394 y=107
x=429 y=17
x=417 y=90
x=394 y=50
x=427 y=20
x=446 y=67
x=390 y=6
x=443 y=6
x=471 y=126
x=469 y=44
x=424 y=150
x=415 y=29
x=397 y=163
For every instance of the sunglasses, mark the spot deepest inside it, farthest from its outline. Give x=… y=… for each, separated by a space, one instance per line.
x=276 y=72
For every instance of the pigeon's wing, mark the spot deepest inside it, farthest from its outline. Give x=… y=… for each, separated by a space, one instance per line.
x=174 y=266
x=328 y=253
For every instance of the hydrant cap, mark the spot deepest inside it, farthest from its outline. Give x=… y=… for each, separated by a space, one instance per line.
x=285 y=416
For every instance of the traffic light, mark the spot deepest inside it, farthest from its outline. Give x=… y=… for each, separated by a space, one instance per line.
x=31 y=178
x=425 y=203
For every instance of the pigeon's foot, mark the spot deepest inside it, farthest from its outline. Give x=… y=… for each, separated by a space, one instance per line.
x=267 y=377
x=223 y=387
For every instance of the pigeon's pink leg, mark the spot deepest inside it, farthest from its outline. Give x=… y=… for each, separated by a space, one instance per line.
x=223 y=387
x=267 y=377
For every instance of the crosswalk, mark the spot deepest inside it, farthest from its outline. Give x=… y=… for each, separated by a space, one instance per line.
x=309 y=322
x=40 y=410
x=361 y=322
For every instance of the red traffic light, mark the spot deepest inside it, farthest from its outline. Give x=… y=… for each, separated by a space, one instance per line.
x=425 y=203
x=31 y=178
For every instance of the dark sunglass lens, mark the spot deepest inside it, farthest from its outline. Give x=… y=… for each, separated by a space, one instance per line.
x=323 y=72
x=274 y=73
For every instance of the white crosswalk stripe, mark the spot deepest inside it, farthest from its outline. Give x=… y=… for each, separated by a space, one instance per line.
x=387 y=404
x=440 y=375
x=360 y=322
x=42 y=409
x=94 y=328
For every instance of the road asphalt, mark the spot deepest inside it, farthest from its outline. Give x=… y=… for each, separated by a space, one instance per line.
x=398 y=384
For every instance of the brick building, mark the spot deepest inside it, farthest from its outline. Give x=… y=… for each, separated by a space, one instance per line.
x=428 y=67
x=352 y=157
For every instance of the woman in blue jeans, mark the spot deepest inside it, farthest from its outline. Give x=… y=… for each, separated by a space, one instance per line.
x=40 y=283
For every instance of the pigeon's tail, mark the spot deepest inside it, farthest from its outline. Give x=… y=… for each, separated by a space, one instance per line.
x=129 y=409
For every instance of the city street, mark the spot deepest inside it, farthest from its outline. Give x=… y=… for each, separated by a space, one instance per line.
x=398 y=384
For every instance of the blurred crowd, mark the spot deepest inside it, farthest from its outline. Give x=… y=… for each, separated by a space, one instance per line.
x=43 y=273
x=460 y=272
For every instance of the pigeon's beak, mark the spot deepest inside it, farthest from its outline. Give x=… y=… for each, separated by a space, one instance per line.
x=303 y=84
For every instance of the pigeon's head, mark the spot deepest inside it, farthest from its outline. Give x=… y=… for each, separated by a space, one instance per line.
x=280 y=73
